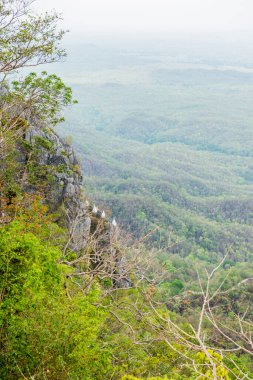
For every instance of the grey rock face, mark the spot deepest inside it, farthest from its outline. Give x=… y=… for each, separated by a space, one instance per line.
x=65 y=188
x=64 y=195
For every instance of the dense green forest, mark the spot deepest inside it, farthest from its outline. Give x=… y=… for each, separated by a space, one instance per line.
x=164 y=147
x=189 y=128
x=165 y=143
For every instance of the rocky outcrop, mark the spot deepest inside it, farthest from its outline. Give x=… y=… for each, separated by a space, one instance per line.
x=45 y=164
x=64 y=190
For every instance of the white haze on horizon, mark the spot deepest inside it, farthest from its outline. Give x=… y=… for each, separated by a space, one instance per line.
x=112 y=17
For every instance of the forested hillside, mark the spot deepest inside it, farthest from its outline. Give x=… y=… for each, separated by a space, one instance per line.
x=164 y=293
x=169 y=147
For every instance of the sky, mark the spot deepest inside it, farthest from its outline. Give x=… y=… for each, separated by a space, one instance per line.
x=154 y=16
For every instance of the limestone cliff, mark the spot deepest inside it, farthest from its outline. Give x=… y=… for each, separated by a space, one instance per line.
x=57 y=162
x=43 y=164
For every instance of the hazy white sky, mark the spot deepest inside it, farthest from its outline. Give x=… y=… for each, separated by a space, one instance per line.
x=110 y=16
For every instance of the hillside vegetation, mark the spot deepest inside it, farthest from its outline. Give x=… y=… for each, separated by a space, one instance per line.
x=80 y=297
x=165 y=142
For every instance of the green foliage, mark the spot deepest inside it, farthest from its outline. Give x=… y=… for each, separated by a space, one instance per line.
x=27 y=39
x=176 y=152
x=43 y=95
x=45 y=143
x=53 y=323
x=205 y=362
x=43 y=332
x=130 y=377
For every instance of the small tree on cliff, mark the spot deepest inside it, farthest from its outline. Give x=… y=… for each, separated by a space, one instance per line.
x=26 y=40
